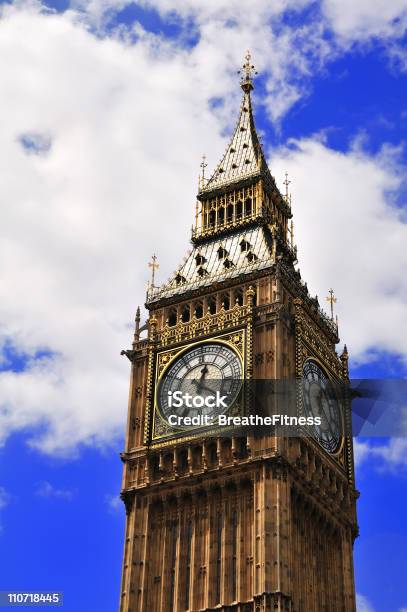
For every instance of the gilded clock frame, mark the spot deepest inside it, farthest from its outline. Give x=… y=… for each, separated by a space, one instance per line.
x=312 y=344
x=236 y=341
x=325 y=370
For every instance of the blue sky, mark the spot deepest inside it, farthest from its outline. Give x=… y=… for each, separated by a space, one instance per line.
x=106 y=111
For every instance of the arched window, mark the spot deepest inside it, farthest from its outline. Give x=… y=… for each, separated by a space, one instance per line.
x=225 y=300
x=183 y=461
x=221 y=215
x=248 y=207
x=239 y=297
x=239 y=209
x=199 y=310
x=155 y=467
x=228 y=263
x=186 y=314
x=212 y=305
x=200 y=259
x=244 y=245
x=172 y=317
x=179 y=279
x=212 y=218
x=202 y=272
x=230 y=213
x=251 y=257
x=222 y=252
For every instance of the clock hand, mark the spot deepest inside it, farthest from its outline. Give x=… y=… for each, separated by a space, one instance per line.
x=198 y=383
x=204 y=371
x=322 y=412
x=206 y=388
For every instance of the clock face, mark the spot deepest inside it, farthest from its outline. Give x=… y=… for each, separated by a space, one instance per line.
x=200 y=372
x=319 y=400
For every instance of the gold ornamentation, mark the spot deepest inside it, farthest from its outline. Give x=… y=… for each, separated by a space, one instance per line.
x=160 y=427
x=199 y=328
x=247 y=71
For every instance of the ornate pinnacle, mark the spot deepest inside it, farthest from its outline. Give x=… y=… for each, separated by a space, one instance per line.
x=137 y=327
x=246 y=81
x=286 y=183
x=152 y=327
x=332 y=300
x=345 y=358
x=250 y=293
x=201 y=179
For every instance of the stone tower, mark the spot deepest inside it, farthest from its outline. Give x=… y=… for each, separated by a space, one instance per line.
x=218 y=521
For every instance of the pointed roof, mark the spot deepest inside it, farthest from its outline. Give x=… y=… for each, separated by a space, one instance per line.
x=244 y=157
x=219 y=259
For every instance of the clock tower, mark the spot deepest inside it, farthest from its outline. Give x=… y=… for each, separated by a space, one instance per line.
x=235 y=519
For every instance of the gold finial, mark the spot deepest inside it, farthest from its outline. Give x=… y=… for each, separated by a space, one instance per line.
x=332 y=300
x=203 y=165
x=250 y=293
x=287 y=197
x=154 y=265
x=246 y=81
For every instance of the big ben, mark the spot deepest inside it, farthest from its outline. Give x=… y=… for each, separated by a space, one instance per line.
x=228 y=519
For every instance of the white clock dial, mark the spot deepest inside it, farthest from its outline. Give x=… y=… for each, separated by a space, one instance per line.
x=202 y=370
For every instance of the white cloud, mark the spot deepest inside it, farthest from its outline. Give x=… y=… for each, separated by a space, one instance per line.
x=351 y=237
x=80 y=223
x=350 y=20
x=391 y=456
x=363 y=604
x=114 y=503
x=124 y=127
x=46 y=489
x=366 y=18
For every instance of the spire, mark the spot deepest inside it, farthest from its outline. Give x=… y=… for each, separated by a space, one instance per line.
x=244 y=156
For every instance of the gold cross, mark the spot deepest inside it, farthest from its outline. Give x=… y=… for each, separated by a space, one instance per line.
x=154 y=265
x=248 y=70
x=248 y=66
x=332 y=300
